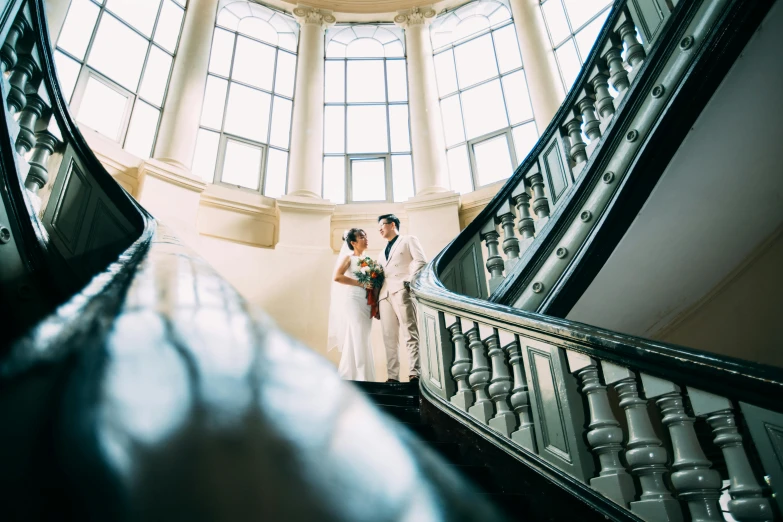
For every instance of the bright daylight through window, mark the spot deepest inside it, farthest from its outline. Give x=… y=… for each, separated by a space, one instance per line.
x=573 y=26
x=367 y=146
x=114 y=60
x=246 y=118
x=487 y=116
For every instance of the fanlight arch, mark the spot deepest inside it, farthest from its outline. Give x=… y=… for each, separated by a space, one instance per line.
x=363 y=41
x=467 y=21
x=259 y=22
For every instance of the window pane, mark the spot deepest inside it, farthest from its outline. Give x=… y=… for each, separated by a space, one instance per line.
x=493 y=160
x=400 y=135
x=222 y=49
x=459 y=169
x=141 y=131
x=335 y=82
x=67 y=72
x=169 y=23
x=78 y=27
x=214 y=102
x=281 y=122
x=286 y=73
x=525 y=137
x=483 y=109
x=205 y=158
x=334 y=129
x=335 y=50
x=586 y=37
x=118 y=52
x=445 y=72
x=517 y=97
x=258 y=29
x=276 y=168
x=334 y=179
x=242 y=165
x=475 y=61
x=254 y=63
x=365 y=48
x=156 y=76
x=507 y=48
x=102 y=108
x=367 y=129
x=366 y=81
x=568 y=62
x=402 y=177
x=397 y=80
x=556 y=21
x=247 y=114
x=580 y=11
x=140 y=14
x=394 y=49
x=368 y=179
x=452 y=120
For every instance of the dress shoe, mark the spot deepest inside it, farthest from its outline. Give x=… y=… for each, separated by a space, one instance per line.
x=413 y=379
x=393 y=381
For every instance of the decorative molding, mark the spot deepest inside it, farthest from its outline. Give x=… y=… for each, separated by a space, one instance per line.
x=437 y=200
x=233 y=205
x=313 y=16
x=305 y=205
x=423 y=15
x=171 y=174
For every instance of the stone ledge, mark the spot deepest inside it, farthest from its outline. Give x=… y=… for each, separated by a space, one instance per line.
x=173 y=174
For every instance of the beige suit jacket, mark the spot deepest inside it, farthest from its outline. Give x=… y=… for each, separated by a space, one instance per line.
x=406 y=258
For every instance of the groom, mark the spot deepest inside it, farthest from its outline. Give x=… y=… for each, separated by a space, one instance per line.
x=401 y=260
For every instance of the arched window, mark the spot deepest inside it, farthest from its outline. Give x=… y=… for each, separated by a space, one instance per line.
x=113 y=60
x=367 y=148
x=246 y=118
x=573 y=26
x=487 y=116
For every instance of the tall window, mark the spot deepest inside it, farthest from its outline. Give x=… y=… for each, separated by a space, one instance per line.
x=573 y=26
x=367 y=146
x=114 y=59
x=487 y=116
x=246 y=118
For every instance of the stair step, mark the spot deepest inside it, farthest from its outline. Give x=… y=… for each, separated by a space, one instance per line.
x=402 y=388
x=387 y=399
x=448 y=450
x=423 y=431
x=480 y=476
x=404 y=414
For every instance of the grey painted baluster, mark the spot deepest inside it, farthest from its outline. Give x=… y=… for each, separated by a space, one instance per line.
x=495 y=264
x=573 y=128
x=694 y=481
x=525 y=436
x=500 y=385
x=591 y=126
x=634 y=50
x=747 y=502
x=618 y=76
x=479 y=376
x=460 y=369
x=605 y=435
x=27 y=120
x=45 y=143
x=540 y=203
x=525 y=225
x=644 y=451
x=8 y=54
x=505 y=217
x=24 y=69
x=604 y=103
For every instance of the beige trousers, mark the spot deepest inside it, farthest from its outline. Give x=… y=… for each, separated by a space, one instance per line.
x=398 y=313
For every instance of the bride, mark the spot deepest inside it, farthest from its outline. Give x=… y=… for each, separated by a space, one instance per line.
x=349 y=314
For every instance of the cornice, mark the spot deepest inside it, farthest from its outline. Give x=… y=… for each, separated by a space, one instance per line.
x=305 y=205
x=232 y=205
x=437 y=200
x=171 y=174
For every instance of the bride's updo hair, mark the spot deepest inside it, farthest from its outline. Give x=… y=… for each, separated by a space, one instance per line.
x=352 y=235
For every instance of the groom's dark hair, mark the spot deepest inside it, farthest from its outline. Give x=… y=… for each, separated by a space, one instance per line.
x=390 y=218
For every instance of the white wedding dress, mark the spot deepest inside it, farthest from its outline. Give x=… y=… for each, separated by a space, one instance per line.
x=350 y=325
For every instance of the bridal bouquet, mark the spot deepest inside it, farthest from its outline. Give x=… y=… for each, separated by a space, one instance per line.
x=370 y=274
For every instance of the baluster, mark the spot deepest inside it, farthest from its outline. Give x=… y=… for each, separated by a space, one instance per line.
x=694 y=481
x=495 y=264
x=525 y=436
x=8 y=54
x=460 y=368
x=604 y=103
x=27 y=120
x=21 y=73
x=586 y=106
x=618 y=76
x=45 y=143
x=573 y=128
x=504 y=420
x=479 y=376
x=747 y=502
x=634 y=50
x=644 y=451
x=505 y=216
x=605 y=435
x=540 y=203
x=525 y=225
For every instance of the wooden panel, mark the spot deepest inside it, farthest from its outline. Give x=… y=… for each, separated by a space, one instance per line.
x=766 y=432
x=105 y=238
x=554 y=171
x=69 y=212
x=557 y=408
x=649 y=17
x=465 y=274
x=436 y=352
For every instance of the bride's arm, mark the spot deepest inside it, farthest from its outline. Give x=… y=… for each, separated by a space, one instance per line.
x=339 y=274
